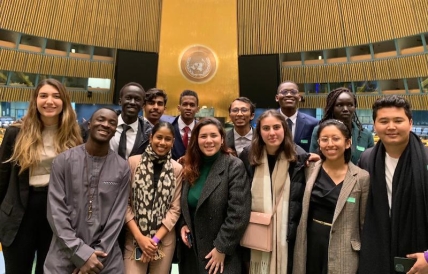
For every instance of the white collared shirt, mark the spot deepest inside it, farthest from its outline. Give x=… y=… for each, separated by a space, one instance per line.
x=293 y=119
x=182 y=125
x=131 y=135
x=242 y=141
x=150 y=123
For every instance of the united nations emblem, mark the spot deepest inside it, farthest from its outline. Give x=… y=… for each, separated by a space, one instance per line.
x=198 y=63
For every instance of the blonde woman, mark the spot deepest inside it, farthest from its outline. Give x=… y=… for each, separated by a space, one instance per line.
x=26 y=155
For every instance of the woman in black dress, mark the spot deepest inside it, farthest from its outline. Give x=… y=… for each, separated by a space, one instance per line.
x=328 y=237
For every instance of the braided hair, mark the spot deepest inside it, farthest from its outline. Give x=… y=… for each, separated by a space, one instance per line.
x=331 y=102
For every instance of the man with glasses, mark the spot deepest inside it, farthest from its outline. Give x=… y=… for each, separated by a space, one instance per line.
x=301 y=125
x=241 y=112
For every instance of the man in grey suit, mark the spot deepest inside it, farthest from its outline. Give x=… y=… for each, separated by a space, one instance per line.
x=396 y=221
x=241 y=112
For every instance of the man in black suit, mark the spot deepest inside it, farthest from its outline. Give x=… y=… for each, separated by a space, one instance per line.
x=137 y=131
x=300 y=124
x=184 y=123
x=241 y=112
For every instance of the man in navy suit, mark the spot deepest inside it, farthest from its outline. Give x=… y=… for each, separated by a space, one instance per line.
x=301 y=124
x=185 y=122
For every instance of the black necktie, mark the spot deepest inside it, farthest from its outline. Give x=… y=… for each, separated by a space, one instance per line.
x=122 y=142
x=290 y=126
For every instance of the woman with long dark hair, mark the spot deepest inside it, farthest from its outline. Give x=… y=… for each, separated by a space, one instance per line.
x=215 y=203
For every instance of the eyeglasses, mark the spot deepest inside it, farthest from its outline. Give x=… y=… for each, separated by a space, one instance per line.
x=236 y=110
x=287 y=91
x=325 y=140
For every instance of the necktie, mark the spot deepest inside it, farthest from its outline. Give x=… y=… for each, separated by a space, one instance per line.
x=122 y=141
x=290 y=126
x=186 y=136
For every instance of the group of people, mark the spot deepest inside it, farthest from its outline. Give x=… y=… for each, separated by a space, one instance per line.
x=123 y=193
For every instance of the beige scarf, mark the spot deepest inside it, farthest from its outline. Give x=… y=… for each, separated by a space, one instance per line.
x=274 y=262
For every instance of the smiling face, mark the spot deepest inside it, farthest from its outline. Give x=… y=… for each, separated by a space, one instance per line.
x=272 y=133
x=154 y=109
x=393 y=126
x=188 y=108
x=209 y=140
x=102 y=125
x=49 y=104
x=344 y=108
x=240 y=114
x=288 y=96
x=333 y=143
x=162 y=141
x=132 y=102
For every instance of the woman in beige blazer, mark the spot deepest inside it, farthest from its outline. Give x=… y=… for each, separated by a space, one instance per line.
x=154 y=205
x=328 y=237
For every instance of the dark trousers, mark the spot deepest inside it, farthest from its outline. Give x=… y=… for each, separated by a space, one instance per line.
x=34 y=236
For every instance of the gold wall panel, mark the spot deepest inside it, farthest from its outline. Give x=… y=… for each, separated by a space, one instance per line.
x=417 y=101
x=125 y=24
x=18 y=94
x=282 y=26
x=391 y=68
x=212 y=24
x=14 y=60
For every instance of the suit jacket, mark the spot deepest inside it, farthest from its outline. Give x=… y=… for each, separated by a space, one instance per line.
x=14 y=190
x=178 y=149
x=348 y=220
x=221 y=216
x=142 y=139
x=230 y=140
x=303 y=131
x=304 y=126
